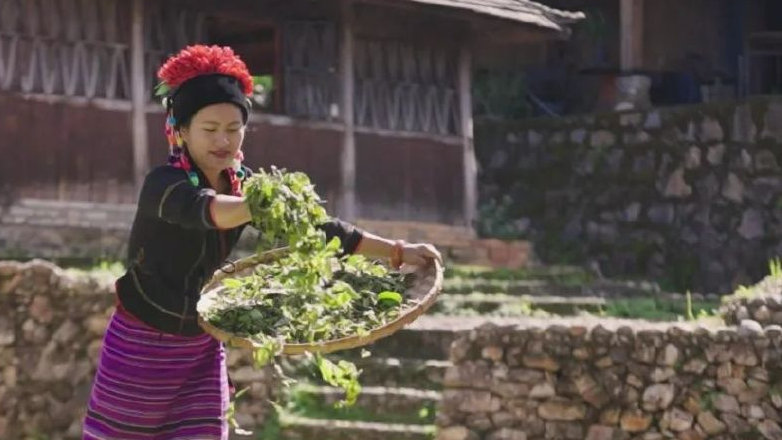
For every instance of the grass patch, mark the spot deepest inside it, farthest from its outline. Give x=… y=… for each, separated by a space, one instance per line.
x=302 y=403
x=272 y=426
x=651 y=309
x=107 y=268
x=658 y=309
x=484 y=306
x=500 y=305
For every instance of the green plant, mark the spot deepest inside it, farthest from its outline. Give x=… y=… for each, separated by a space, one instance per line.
x=746 y=292
x=97 y=266
x=500 y=94
x=707 y=401
x=690 y=315
x=272 y=426
x=231 y=413
x=521 y=308
x=741 y=292
x=659 y=309
x=302 y=402
x=263 y=89
x=775 y=268
x=496 y=219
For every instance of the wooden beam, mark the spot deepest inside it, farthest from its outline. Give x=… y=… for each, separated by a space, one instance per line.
x=287 y=121
x=638 y=31
x=520 y=34
x=138 y=95
x=470 y=169
x=348 y=156
x=631 y=24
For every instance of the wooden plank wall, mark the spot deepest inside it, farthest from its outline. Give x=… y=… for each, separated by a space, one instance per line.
x=408 y=179
x=65 y=152
x=83 y=153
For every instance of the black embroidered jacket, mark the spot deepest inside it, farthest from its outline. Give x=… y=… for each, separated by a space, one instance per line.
x=175 y=247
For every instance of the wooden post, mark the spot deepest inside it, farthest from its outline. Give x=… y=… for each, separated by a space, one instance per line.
x=138 y=77
x=468 y=149
x=632 y=31
x=348 y=156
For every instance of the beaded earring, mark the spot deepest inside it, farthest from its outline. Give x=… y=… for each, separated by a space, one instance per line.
x=236 y=174
x=176 y=153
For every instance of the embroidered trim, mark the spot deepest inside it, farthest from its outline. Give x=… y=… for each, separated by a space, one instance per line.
x=146 y=298
x=167 y=193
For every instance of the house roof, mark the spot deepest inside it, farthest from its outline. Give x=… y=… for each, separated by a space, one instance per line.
x=523 y=11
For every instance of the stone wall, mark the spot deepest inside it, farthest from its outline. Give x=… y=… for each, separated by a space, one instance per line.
x=51 y=229
x=604 y=381
x=51 y=327
x=691 y=194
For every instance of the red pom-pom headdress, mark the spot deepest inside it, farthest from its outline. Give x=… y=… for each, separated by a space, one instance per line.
x=196 y=77
x=198 y=60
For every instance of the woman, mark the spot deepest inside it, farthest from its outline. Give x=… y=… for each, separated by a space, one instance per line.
x=159 y=376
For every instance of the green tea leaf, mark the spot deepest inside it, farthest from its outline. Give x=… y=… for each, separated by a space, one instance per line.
x=232 y=283
x=393 y=297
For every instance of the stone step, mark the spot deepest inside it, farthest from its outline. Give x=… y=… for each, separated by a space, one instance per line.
x=515 y=305
x=500 y=298
x=536 y=287
x=424 y=374
x=412 y=343
x=430 y=336
x=379 y=404
x=300 y=428
x=543 y=273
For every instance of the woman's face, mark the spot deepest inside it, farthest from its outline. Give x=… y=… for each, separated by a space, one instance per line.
x=214 y=135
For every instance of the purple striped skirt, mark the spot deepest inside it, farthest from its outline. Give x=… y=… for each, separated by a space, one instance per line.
x=152 y=385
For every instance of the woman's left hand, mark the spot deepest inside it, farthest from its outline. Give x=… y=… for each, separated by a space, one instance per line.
x=420 y=254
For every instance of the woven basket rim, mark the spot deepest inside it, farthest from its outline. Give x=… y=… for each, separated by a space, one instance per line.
x=407 y=316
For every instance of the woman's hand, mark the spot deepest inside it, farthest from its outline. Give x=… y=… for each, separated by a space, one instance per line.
x=398 y=252
x=420 y=254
